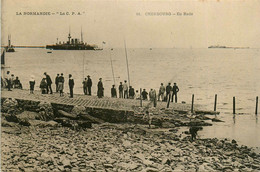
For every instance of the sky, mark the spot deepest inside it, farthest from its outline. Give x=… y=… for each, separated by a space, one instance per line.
x=229 y=23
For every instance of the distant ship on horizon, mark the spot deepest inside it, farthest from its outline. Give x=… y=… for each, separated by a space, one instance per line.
x=72 y=44
x=221 y=46
x=10 y=47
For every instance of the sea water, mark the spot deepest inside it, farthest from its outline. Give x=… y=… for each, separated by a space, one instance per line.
x=202 y=72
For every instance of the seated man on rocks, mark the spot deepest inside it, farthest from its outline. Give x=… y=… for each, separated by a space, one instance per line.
x=17 y=83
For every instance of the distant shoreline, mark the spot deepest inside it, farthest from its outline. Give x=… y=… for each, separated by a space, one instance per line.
x=26 y=46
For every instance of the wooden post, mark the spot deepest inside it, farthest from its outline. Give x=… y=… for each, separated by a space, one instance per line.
x=256 y=106
x=141 y=104
x=234 y=105
x=215 y=103
x=168 y=103
x=192 y=102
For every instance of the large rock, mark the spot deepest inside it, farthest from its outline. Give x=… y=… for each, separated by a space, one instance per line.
x=29 y=115
x=77 y=110
x=10 y=105
x=43 y=124
x=46 y=111
x=5 y=123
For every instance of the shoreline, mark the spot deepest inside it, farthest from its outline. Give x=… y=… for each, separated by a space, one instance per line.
x=39 y=135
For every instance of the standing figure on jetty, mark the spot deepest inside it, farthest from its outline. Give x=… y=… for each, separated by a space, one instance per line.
x=168 y=92
x=32 y=83
x=125 y=87
x=89 y=85
x=49 y=82
x=131 y=92
x=120 y=88
x=113 y=91
x=100 y=92
x=85 y=88
x=144 y=94
x=8 y=80
x=152 y=96
x=43 y=86
x=71 y=85
x=61 y=84
x=137 y=95
x=12 y=81
x=161 y=92
x=175 y=90
x=57 y=82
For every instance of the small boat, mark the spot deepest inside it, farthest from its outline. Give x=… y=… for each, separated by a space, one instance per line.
x=150 y=48
x=49 y=52
x=10 y=47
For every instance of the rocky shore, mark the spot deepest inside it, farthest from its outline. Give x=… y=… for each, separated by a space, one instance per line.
x=119 y=147
x=39 y=136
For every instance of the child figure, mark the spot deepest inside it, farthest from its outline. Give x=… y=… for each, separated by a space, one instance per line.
x=32 y=83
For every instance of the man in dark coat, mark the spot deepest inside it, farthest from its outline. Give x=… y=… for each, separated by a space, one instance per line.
x=120 y=88
x=71 y=85
x=100 y=92
x=89 y=85
x=8 y=80
x=131 y=92
x=85 y=88
x=49 y=82
x=144 y=94
x=113 y=91
x=168 y=92
x=175 y=90
x=57 y=82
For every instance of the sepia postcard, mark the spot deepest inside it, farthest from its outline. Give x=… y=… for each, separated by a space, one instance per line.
x=120 y=85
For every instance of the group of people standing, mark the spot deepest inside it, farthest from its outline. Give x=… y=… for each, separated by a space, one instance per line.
x=11 y=81
x=171 y=92
x=124 y=92
x=46 y=83
x=167 y=93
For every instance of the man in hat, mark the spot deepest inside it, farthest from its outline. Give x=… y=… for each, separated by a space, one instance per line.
x=89 y=85
x=8 y=80
x=120 y=88
x=168 y=92
x=144 y=94
x=113 y=91
x=100 y=92
x=49 y=82
x=125 y=88
x=161 y=92
x=131 y=92
x=71 y=85
x=85 y=86
x=57 y=82
x=175 y=90
x=61 y=84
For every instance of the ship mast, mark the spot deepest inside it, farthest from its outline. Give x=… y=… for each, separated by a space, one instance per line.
x=9 y=40
x=81 y=35
x=69 y=35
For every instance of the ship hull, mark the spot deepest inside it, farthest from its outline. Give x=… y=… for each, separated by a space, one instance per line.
x=69 y=47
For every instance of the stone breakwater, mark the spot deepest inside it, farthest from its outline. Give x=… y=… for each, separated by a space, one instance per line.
x=119 y=147
x=54 y=136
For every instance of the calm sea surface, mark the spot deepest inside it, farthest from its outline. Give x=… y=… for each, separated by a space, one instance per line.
x=202 y=72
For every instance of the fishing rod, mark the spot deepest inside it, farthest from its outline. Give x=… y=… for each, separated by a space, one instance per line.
x=127 y=64
x=112 y=67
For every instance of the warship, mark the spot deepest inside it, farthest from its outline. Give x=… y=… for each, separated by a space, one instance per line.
x=72 y=44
